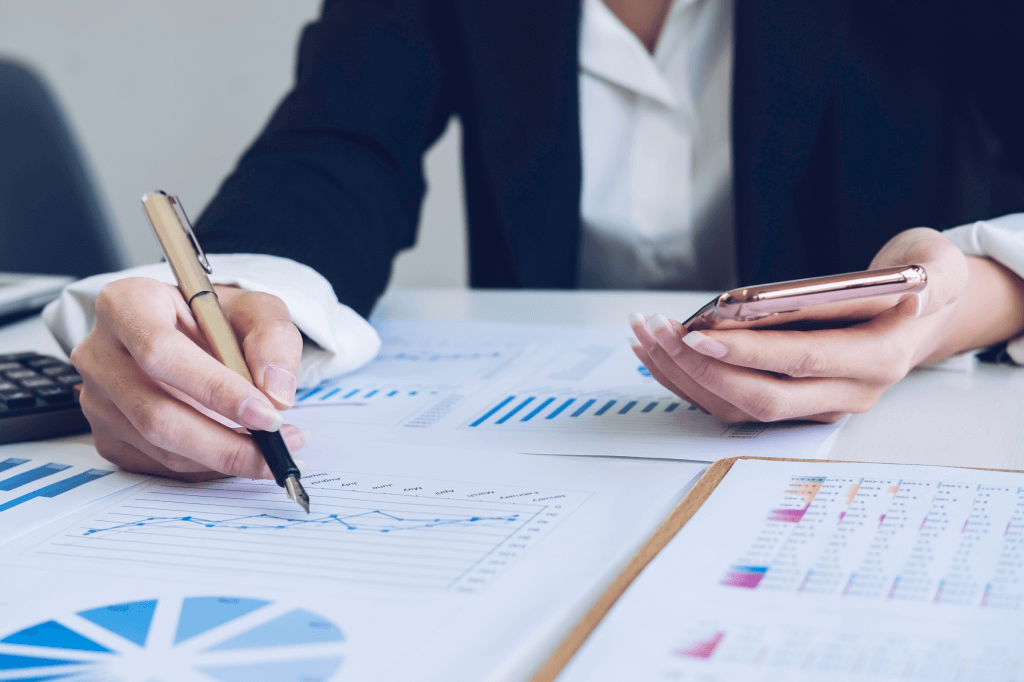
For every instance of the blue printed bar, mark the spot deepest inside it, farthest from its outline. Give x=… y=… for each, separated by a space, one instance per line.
x=55 y=489
x=650 y=407
x=372 y=393
x=583 y=408
x=515 y=409
x=309 y=394
x=350 y=394
x=537 y=409
x=558 y=410
x=629 y=406
x=607 y=406
x=329 y=394
x=490 y=413
x=32 y=475
x=10 y=463
x=672 y=407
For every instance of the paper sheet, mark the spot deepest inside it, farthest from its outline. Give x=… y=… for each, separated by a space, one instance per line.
x=412 y=558
x=797 y=571
x=39 y=481
x=531 y=388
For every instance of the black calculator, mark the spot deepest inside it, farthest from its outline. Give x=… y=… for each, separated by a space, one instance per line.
x=38 y=398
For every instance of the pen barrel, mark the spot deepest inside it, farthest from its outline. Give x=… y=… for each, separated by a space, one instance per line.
x=276 y=454
x=219 y=334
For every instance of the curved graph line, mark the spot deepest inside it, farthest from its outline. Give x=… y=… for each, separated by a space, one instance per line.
x=237 y=523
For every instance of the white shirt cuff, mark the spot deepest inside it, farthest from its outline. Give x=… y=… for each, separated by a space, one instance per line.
x=1002 y=240
x=344 y=341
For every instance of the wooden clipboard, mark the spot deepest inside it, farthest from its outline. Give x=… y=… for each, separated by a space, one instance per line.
x=683 y=512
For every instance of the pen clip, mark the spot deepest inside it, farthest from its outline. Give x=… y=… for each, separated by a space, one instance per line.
x=183 y=219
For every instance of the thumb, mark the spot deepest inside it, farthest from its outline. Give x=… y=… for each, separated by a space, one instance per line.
x=271 y=342
x=944 y=264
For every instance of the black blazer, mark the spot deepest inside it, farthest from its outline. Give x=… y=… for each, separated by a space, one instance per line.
x=852 y=120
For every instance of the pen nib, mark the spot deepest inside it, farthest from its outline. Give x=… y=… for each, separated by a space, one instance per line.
x=297 y=492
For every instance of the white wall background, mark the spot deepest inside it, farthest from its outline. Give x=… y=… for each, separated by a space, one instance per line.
x=166 y=95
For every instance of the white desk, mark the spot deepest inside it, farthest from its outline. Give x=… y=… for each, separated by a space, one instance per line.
x=938 y=417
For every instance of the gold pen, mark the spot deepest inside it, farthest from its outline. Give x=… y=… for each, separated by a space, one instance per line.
x=190 y=267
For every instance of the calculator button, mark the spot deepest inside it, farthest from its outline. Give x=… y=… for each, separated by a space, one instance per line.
x=10 y=366
x=21 y=374
x=57 y=369
x=69 y=379
x=36 y=363
x=16 y=399
x=8 y=386
x=38 y=382
x=56 y=394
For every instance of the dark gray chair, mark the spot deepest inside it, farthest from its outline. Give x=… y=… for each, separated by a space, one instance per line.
x=50 y=216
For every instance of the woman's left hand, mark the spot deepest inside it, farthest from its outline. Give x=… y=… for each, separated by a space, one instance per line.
x=771 y=375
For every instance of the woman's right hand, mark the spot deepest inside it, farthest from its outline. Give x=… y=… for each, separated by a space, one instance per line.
x=158 y=402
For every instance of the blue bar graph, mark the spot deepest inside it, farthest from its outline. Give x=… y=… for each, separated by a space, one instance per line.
x=350 y=394
x=55 y=489
x=650 y=407
x=306 y=396
x=490 y=412
x=372 y=393
x=10 y=463
x=604 y=408
x=558 y=410
x=537 y=409
x=32 y=475
x=392 y=394
x=671 y=407
x=329 y=394
x=583 y=408
x=629 y=406
x=515 y=409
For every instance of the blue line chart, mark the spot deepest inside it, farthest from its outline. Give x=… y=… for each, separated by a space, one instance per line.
x=386 y=523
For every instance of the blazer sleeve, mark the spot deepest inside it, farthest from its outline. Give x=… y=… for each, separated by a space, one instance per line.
x=335 y=179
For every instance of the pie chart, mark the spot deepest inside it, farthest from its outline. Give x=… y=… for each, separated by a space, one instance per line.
x=206 y=639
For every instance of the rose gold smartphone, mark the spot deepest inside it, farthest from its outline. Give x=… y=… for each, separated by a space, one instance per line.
x=819 y=302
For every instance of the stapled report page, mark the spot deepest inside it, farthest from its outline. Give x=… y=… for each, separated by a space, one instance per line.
x=532 y=388
x=828 y=571
x=412 y=559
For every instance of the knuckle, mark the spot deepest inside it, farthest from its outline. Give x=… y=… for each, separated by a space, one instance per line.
x=704 y=372
x=239 y=459
x=155 y=422
x=768 y=405
x=154 y=351
x=813 y=363
x=219 y=390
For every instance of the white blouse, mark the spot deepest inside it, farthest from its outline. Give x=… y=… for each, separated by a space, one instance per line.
x=656 y=142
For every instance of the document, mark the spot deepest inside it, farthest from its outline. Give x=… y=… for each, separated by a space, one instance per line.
x=410 y=559
x=828 y=571
x=532 y=388
x=39 y=481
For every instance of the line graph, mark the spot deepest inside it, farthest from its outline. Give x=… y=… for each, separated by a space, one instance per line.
x=384 y=530
x=272 y=522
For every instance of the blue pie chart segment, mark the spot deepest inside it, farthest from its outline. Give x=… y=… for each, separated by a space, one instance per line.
x=53 y=634
x=131 y=620
x=10 y=662
x=299 y=671
x=295 y=627
x=200 y=614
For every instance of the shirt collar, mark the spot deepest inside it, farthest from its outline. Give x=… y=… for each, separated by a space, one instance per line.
x=610 y=51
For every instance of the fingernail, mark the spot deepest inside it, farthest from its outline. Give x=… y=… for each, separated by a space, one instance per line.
x=705 y=345
x=658 y=321
x=636 y=318
x=259 y=414
x=301 y=463
x=633 y=342
x=922 y=303
x=280 y=384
